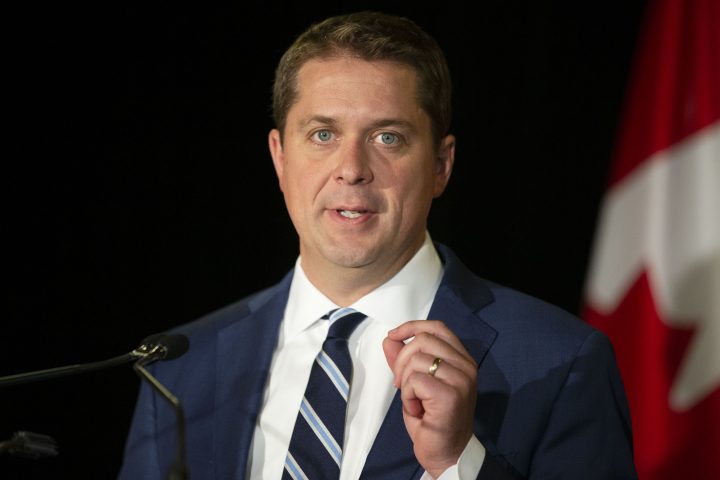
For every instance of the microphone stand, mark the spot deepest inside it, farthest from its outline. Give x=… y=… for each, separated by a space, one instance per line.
x=147 y=348
x=178 y=469
x=153 y=348
x=70 y=369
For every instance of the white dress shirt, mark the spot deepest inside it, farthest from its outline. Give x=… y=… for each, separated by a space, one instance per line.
x=406 y=296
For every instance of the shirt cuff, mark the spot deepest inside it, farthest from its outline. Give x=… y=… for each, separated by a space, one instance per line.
x=468 y=466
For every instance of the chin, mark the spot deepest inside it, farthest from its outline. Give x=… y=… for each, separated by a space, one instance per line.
x=350 y=257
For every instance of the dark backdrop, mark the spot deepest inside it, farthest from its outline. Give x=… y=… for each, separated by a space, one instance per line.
x=139 y=194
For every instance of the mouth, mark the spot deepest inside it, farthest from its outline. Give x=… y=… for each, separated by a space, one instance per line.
x=351 y=213
x=357 y=214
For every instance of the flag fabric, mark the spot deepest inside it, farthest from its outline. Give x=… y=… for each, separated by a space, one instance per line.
x=654 y=276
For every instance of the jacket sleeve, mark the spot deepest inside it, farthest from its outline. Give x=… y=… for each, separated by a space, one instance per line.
x=588 y=433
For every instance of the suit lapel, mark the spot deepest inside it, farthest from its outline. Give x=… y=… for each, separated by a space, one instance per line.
x=245 y=350
x=459 y=296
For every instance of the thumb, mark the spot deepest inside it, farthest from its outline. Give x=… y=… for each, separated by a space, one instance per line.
x=392 y=349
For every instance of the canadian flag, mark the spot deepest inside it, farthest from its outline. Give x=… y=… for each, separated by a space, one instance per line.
x=654 y=276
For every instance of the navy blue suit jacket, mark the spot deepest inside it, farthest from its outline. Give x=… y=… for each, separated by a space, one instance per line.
x=550 y=401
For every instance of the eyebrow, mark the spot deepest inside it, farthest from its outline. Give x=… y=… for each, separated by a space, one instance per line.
x=318 y=119
x=381 y=123
x=394 y=122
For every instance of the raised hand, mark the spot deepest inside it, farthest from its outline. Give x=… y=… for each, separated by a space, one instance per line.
x=437 y=381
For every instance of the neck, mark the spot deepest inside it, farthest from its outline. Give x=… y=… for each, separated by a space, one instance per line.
x=346 y=285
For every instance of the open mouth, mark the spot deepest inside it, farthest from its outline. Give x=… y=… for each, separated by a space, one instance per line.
x=351 y=213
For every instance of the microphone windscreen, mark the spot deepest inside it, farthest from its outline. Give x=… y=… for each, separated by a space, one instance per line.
x=175 y=345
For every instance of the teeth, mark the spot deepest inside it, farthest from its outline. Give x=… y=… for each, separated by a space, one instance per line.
x=350 y=213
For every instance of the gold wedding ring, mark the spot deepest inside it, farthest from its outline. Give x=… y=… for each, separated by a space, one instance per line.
x=435 y=364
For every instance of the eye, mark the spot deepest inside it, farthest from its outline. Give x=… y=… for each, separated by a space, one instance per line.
x=323 y=136
x=387 y=138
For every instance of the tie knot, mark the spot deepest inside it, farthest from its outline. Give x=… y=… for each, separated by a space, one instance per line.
x=343 y=322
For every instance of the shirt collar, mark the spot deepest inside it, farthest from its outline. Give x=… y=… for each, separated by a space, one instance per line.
x=406 y=296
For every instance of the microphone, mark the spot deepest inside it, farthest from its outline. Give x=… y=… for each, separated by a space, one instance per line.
x=30 y=445
x=155 y=347
x=168 y=347
x=162 y=347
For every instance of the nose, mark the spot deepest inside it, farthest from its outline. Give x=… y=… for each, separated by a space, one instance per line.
x=353 y=164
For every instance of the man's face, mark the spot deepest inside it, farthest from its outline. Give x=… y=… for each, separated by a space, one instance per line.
x=358 y=167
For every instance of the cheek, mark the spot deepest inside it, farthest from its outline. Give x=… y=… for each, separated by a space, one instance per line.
x=295 y=175
x=302 y=185
x=416 y=195
x=418 y=182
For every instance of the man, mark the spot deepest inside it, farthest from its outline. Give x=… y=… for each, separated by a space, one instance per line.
x=496 y=385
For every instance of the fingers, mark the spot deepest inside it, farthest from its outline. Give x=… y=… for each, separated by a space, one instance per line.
x=432 y=339
x=438 y=408
x=422 y=392
x=433 y=327
x=446 y=372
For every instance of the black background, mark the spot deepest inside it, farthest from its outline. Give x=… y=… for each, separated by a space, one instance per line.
x=138 y=193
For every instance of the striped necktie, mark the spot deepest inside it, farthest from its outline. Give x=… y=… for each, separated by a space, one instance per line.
x=316 y=445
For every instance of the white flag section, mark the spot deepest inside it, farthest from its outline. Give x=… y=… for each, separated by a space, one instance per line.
x=664 y=218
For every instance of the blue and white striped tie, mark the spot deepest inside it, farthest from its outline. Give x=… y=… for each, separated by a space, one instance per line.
x=316 y=446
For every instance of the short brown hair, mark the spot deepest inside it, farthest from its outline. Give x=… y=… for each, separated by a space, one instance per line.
x=370 y=36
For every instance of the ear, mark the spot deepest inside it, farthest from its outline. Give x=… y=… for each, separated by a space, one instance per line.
x=445 y=160
x=276 y=151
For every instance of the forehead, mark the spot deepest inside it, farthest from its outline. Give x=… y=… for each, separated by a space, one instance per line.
x=352 y=87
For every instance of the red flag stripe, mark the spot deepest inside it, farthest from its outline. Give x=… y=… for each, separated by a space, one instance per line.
x=674 y=86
